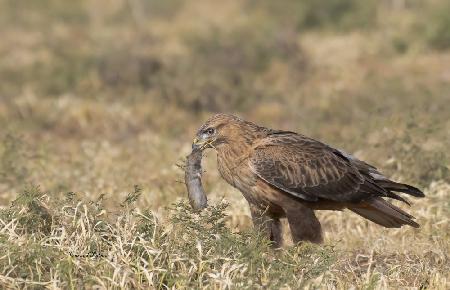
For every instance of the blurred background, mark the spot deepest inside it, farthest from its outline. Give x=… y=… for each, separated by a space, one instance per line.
x=96 y=96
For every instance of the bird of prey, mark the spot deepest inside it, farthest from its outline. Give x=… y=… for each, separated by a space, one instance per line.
x=286 y=174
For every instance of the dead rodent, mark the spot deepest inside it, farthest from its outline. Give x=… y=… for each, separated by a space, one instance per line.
x=193 y=180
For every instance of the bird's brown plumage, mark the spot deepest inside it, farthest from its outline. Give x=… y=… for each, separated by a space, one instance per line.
x=285 y=174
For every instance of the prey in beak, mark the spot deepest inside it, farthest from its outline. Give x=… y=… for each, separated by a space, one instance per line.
x=204 y=139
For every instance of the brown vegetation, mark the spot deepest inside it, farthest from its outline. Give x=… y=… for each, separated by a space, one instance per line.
x=97 y=96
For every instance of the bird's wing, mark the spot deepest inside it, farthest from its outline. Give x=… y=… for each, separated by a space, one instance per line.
x=309 y=169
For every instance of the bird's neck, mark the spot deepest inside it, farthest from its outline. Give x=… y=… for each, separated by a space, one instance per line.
x=229 y=158
x=240 y=144
x=233 y=150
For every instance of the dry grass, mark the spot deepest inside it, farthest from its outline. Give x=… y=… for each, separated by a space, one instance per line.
x=97 y=96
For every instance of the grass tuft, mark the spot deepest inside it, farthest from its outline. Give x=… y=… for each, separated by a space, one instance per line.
x=88 y=246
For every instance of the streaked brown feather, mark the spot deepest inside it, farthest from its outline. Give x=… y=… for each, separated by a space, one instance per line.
x=306 y=168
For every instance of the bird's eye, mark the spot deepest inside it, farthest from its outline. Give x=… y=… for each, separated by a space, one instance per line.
x=210 y=131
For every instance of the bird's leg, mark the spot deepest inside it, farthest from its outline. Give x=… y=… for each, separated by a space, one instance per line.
x=276 y=235
x=304 y=225
x=270 y=226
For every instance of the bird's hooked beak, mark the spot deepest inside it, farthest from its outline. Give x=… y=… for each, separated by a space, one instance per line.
x=196 y=144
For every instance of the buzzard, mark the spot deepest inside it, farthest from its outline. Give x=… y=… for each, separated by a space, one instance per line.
x=286 y=174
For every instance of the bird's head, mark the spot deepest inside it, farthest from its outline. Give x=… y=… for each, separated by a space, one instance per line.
x=218 y=130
